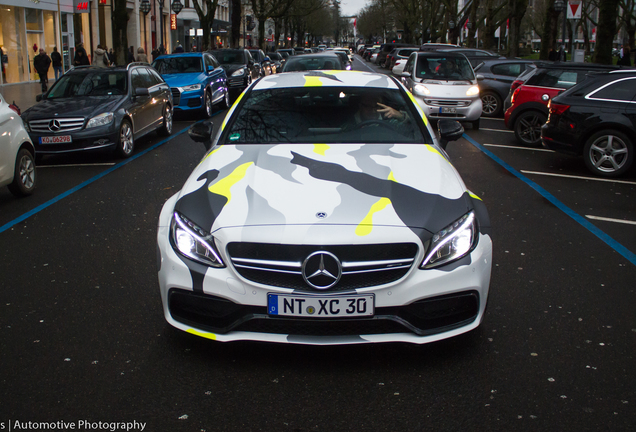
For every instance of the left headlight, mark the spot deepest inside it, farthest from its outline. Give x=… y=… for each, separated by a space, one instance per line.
x=452 y=243
x=191 y=87
x=194 y=242
x=474 y=90
x=421 y=90
x=101 y=120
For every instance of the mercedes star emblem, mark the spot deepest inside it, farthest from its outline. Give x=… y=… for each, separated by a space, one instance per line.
x=54 y=125
x=321 y=215
x=322 y=270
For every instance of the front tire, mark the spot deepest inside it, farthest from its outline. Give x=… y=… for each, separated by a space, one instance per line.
x=528 y=127
x=166 y=127
x=24 y=175
x=225 y=102
x=207 y=105
x=126 y=143
x=491 y=104
x=609 y=153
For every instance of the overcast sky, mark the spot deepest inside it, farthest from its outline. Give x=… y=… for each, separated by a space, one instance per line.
x=352 y=7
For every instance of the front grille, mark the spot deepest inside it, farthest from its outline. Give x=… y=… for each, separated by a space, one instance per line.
x=240 y=82
x=56 y=125
x=423 y=317
x=362 y=265
x=447 y=103
x=176 y=95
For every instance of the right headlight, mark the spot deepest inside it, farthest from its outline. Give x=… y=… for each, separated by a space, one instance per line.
x=239 y=72
x=194 y=242
x=421 y=90
x=452 y=243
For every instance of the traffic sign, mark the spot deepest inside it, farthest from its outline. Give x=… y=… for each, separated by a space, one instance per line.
x=574 y=9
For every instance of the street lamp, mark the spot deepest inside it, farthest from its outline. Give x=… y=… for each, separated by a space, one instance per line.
x=144 y=8
x=161 y=47
x=559 y=6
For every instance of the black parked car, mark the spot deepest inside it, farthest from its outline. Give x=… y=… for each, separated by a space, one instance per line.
x=92 y=108
x=239 y=66
x=263 y=61
x=596 y=119
x=320 y=61
x=499 y=75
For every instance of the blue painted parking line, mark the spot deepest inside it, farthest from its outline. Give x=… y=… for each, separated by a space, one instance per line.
x=87 y=182
x=626 y=253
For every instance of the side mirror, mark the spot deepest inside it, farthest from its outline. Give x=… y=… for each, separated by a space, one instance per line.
x=480 y=77
x=449 y=130
x=406 y=74
x=202 y=132
x=267 y=59
x=142 y=91
x=210 y=68
x=38 y=98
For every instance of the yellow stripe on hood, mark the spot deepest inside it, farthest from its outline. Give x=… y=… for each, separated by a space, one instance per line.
x=222 y=187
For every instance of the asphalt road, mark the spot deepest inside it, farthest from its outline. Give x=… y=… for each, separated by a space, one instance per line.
x=83 y=335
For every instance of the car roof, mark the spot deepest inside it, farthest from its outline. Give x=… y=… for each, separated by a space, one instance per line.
x=572 y=65
x=439 y=53
x=317 y=78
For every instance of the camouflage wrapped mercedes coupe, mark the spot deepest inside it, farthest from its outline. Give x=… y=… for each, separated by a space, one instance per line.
x=325 y=212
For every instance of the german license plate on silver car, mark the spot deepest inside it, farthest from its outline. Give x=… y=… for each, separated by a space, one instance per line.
x=449 y=110
x=356 y=305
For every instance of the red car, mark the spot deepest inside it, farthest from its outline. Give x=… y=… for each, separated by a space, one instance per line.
x=529 y=108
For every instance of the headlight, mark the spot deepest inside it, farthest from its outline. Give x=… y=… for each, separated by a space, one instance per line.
x=239 y=72
x=452 y=243
x=191 y=87
x=474 y=90
x=422 y=90
x=101 y=120
x=193 y=242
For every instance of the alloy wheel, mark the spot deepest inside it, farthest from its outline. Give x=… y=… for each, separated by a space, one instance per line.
x=489 y=104
x=126 y=139
x=608 y=153
x=27 y=172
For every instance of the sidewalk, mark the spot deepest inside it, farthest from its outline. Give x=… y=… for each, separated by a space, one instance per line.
x=22 y=93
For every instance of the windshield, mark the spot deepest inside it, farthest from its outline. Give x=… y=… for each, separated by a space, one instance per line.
x=176 y=65
x=444 y=68
x=306 y=62
x=93 y=83
x=326 y=115
x=229 y=57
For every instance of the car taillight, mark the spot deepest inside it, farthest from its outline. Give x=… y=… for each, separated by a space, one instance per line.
x=514 y=94
x=515 y=84
x=557 y=109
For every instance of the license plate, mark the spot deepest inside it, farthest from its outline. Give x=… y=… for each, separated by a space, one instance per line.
x=449 y=110
x=56 y=139
x=320 y=307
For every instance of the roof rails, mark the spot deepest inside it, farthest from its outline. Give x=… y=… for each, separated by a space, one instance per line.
x=626 y=70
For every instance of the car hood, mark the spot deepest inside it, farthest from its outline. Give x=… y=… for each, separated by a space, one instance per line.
x=85 y=106
x=184 y=79
x=355 y=185
x=448 y=88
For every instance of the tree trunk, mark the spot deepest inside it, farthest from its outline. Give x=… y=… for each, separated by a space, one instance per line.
x=236 y=23
x=517 y=10
x=605 y=32
x=120 y=36
x=548 y=35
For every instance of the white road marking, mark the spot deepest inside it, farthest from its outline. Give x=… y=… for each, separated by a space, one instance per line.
x=519 y=148
x=579 y=177
x=75 y=165
x=497 y=130
x=604 y=219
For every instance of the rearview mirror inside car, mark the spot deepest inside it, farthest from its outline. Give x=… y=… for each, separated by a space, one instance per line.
x=449 y=130
x=202 y=132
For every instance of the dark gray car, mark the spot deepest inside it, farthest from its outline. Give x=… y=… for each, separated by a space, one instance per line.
x=498 y=76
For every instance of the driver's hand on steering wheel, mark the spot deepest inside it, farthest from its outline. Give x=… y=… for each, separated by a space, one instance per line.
x=389 y=113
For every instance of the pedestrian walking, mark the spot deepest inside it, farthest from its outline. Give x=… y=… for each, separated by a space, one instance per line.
x=81 y=58
x=41 y=64
x=111 y=57
x=141 y=55
x=101 y=58
x=56 y=59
